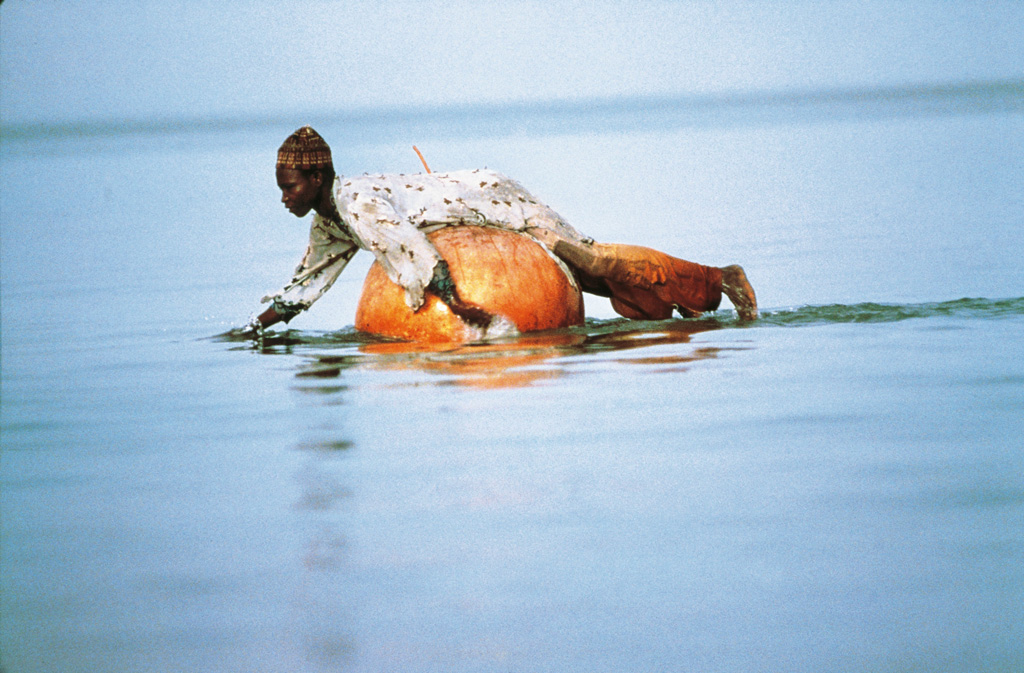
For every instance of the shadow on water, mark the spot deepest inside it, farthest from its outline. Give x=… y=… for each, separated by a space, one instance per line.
x=536 y=357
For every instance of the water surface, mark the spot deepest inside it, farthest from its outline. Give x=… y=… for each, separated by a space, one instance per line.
x=838 y=486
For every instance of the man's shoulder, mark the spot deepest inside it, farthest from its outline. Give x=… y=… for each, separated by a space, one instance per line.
x=348 y=182
x=474 y=175
x=460 y=174
x=321 y=227
x=389 y=184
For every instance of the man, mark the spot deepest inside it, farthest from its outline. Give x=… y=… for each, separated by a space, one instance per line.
x=390 y=216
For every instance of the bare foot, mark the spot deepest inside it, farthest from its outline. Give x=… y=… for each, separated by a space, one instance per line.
x=739 y=291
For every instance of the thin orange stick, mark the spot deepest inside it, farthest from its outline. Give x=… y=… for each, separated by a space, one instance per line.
x=424 y=161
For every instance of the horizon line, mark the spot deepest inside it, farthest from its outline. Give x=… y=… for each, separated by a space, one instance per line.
x=1002 y=94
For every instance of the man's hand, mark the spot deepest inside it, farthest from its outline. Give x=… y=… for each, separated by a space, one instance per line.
x=256 y=325
x=470 y=313
x=251 y=330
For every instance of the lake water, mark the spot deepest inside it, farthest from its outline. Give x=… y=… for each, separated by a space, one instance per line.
x=837 y=486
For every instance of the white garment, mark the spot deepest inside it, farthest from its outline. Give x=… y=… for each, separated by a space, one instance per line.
x=390 y=216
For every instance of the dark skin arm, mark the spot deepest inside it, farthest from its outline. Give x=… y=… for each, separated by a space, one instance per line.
x=268 y=318
x=254 y=329
x=441 y=285
x=304 y=191
x=470 y=313
x=301 y=191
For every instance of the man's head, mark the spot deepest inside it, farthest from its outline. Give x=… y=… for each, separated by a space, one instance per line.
x=304 y=171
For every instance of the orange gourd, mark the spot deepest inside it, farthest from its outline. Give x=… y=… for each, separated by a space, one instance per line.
x=503 y=272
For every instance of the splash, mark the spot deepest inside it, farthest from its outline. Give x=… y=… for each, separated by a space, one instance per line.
x=500 y=328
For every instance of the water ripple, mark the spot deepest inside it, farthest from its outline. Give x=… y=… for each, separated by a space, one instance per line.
x=967 y=308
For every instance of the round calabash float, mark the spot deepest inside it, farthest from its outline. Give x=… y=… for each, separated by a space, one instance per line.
x=504 y=272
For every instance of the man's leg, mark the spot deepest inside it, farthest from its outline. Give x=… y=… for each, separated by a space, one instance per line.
x=651 y=283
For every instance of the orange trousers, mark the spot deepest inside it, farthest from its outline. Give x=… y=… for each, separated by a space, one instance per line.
x=646 y=284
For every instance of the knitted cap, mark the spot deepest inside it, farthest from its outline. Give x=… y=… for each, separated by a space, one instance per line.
x=304 y=150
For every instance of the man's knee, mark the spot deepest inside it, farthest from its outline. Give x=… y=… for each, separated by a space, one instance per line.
x=592 y=260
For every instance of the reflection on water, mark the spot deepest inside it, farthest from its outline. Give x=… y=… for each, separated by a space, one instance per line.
x=323 y=495
x=518 y=361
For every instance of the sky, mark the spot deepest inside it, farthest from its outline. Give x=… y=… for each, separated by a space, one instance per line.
x=80 y=61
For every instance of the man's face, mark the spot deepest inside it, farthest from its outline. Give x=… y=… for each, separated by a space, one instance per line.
x=299 y=192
